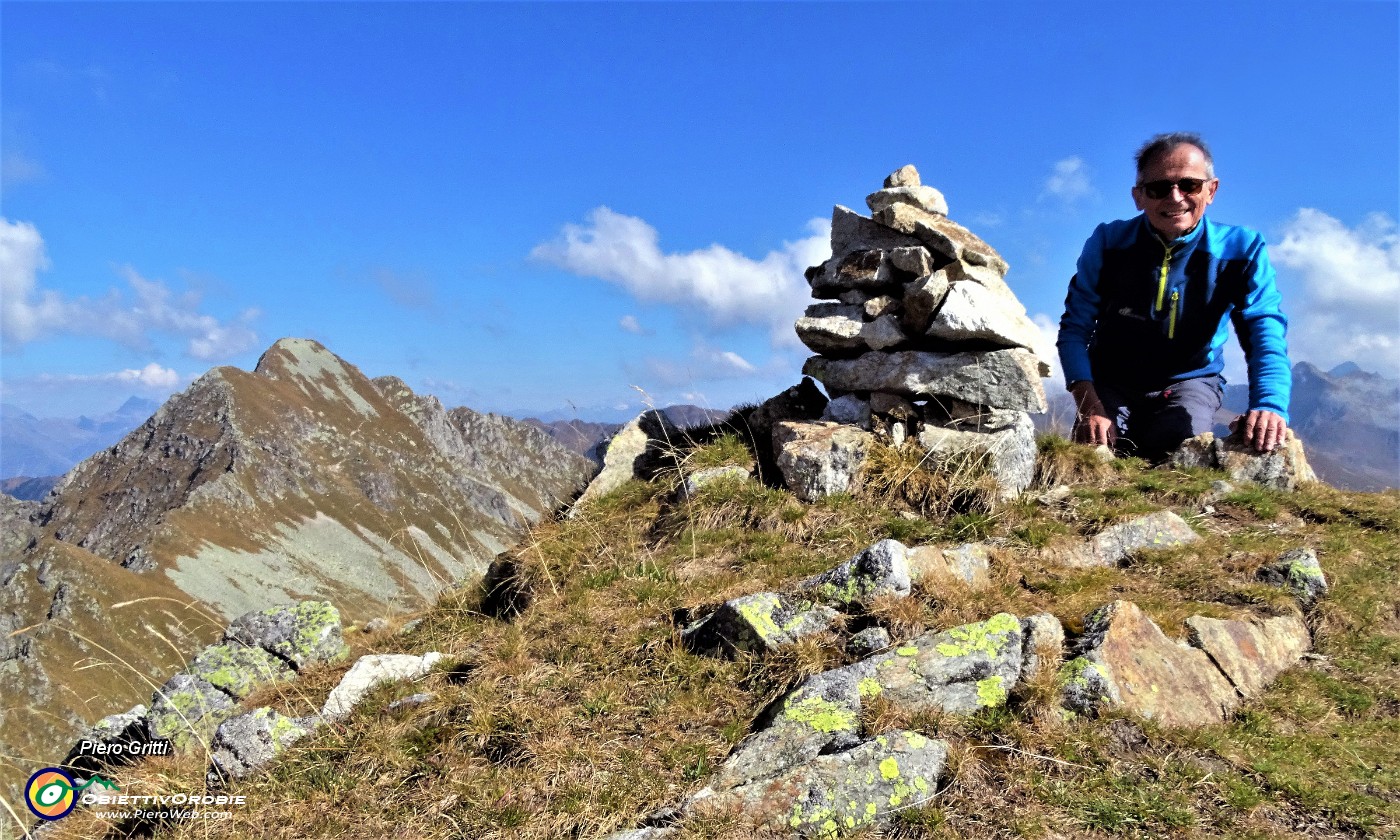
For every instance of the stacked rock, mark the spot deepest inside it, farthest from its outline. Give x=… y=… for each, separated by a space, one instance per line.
x=918 y=335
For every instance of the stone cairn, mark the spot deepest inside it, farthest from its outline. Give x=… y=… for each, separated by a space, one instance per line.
x=918 y=335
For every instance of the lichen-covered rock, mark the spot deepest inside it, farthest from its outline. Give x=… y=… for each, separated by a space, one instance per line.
x=1299 y=571
x=370 y=671
x=966 y=564
x=238 y=670
x=187 y=708
x=759 y=623
x=837 y=793
x=819 y=459
x=1126 y=662
x=1251 y=654
x=1007 y=451
x=1008 y=379
x=1116 y=543
x=250 y=741
x=868 y=641
x=125 y=728
x=881 y=569
x=300 y=635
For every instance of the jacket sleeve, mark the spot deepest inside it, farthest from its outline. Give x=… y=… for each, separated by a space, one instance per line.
x=1080 y=321
x=1262 y=329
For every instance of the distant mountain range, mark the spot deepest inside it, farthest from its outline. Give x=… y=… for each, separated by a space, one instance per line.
x=32 y=446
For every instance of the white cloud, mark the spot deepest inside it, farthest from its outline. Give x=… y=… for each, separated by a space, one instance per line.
x=629 y=323
x=1046 y=350
x=153 y=377
x=1341 y=290
x=1068 y=180
x=728 y=288
x=29 y=313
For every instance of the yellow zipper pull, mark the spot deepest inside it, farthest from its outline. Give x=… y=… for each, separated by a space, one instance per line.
x=1162 y=276
x=1171 y=317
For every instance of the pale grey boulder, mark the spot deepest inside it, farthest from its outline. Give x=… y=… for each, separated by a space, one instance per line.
x=852 y=232
x=301 y=634
x=1007 y=453
x=640 y=449
x=923 y=197
x=881 y=569
x=371 y=671
x=758 y=623
x=1299 y=571
x=709 y=475
x=1117 y=543
x=1282 y=469
x=836 y=334
x=1006 y=379
x=874 y=307
x=971 y=312
x=819 y=459
x=250 y=742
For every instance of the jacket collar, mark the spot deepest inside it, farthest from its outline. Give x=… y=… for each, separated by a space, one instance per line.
x=1185 y=240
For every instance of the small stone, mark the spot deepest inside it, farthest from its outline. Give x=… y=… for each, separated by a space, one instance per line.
x=758 y=623
x=904 y=176
x=710 y=475
x=370 y=671
x=375 y=625
x=916 y=261
x=965 y=565
x=1117 y=543
x=921 y=300
x=187 y=708
x=869 y=641
x=1056 y=495
x=877 y=306
x=892 y=405
x=1300 y=572
x=882 y=333
x=249 y=742
x=850 y=410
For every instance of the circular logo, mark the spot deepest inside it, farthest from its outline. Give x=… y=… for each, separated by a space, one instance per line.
x=50 y=793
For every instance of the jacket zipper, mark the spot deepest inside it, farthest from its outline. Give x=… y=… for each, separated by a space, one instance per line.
x=1162 y=275
x=1171 y=316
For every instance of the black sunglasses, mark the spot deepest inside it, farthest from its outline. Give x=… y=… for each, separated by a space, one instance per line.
x=1158 y=190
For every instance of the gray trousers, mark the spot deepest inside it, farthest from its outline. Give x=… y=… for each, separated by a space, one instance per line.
x=1151 y=425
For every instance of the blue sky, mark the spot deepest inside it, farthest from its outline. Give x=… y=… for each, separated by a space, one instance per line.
x=560 y=208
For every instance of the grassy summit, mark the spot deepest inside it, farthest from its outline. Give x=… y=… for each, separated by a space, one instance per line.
x=567 y=707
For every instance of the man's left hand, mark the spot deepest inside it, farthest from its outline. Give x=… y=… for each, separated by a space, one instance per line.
x=1265 y=430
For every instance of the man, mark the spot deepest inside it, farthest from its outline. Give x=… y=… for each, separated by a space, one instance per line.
x=1146 y=319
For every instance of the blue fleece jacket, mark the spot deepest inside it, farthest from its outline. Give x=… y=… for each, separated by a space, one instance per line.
x=1143 y=313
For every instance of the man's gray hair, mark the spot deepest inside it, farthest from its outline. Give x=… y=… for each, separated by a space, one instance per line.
x=1164 y=143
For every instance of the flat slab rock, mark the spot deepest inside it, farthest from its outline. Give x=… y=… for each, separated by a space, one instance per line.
x=1116 y=543
x=1127 y=663
x=1008 y=379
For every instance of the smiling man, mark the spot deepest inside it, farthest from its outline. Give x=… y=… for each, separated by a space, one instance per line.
x=1148 y=312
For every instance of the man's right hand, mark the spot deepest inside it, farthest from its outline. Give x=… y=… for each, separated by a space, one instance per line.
x=1092 y=425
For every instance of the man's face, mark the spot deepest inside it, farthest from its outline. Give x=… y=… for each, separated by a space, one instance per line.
x=1175 y=213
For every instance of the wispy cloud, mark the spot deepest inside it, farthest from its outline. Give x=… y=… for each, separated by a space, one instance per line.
x=629 y=323
x=18 y=168
x=1343 y=306
x=705 y=364
x=1068 y=181
x=153 y=377
x=29 y=313
x=728 y=288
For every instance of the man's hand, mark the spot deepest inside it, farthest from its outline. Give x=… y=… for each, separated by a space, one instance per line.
x=1264 y=430
x=1092 y=424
